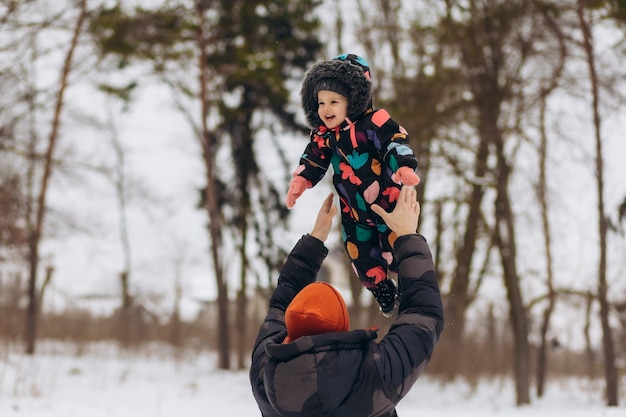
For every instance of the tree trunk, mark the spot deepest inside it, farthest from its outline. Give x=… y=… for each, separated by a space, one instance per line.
x=175 y=335
x=459 y=297
x=610 y=369
x=209 y=142
x=517 y=311
x=505 y=241
x=242 y=328
x=590 y=355
x=32 y=311
x=242 y=300
x=125 y=318
x=542 y=354
x=542 y=190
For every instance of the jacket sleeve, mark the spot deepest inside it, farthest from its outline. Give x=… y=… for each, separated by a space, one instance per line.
x=316 y=158
x=394 y=142
x=300 y=269
x=406 y=349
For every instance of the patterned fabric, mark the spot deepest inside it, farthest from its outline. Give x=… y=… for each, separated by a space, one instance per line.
x=346 y=374
x=364 y=156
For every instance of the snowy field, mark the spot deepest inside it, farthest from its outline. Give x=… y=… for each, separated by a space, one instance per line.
x=100 y=381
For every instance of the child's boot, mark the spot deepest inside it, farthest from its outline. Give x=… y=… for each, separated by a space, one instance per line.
x=386 y=294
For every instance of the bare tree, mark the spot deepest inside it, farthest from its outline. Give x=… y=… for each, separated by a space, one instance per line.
x=505 y=238
x=125 y=316
x=551 y=84
x=36 y=231
x=209 y=153
x=610 y=369
x=542 y=192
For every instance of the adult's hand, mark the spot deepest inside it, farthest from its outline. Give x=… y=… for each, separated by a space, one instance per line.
x=324 y=220
x=405 y=216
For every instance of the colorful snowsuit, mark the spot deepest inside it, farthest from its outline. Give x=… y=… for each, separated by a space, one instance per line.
x=364 y=155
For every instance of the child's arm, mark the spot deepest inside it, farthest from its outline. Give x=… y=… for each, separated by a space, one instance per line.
x=312 y=168
x=296 y=188
x=397 y=154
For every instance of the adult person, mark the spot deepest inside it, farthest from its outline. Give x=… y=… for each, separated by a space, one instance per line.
x=307 y=363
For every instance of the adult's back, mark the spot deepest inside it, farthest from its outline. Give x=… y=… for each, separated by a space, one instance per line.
x=348 y=373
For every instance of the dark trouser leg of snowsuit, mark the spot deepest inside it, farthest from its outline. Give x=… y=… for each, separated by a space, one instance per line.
x=370 y=251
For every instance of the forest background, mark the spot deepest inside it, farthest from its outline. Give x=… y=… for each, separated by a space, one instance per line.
x=146 y=148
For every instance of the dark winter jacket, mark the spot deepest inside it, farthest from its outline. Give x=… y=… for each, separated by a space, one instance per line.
x=346 y=374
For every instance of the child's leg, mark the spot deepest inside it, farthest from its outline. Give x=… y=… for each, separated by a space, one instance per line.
x=363 y=248
x=370 y=262
x=387 y=240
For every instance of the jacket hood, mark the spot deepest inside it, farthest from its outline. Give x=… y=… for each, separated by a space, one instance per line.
x=349 y=69
x=318 y=373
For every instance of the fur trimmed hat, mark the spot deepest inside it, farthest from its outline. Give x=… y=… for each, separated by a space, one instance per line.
x=318 y=308
x=348 y=70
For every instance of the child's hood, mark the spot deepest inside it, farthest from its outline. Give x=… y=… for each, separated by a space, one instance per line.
x=351 y=70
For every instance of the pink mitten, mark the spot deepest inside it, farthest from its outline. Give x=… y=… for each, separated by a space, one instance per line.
x=406 y=176
x=296 y=188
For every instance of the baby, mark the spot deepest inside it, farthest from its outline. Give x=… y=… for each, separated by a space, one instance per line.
x=371 y=160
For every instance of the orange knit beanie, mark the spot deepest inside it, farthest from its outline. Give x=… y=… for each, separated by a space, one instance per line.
x=318 y=308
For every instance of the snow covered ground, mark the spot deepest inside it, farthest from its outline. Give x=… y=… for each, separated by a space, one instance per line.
x=100 y=381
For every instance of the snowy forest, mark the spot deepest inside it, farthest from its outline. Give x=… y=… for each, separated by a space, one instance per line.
x=146 y=148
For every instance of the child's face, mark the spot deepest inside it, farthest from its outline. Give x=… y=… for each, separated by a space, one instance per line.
x=332 y=108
